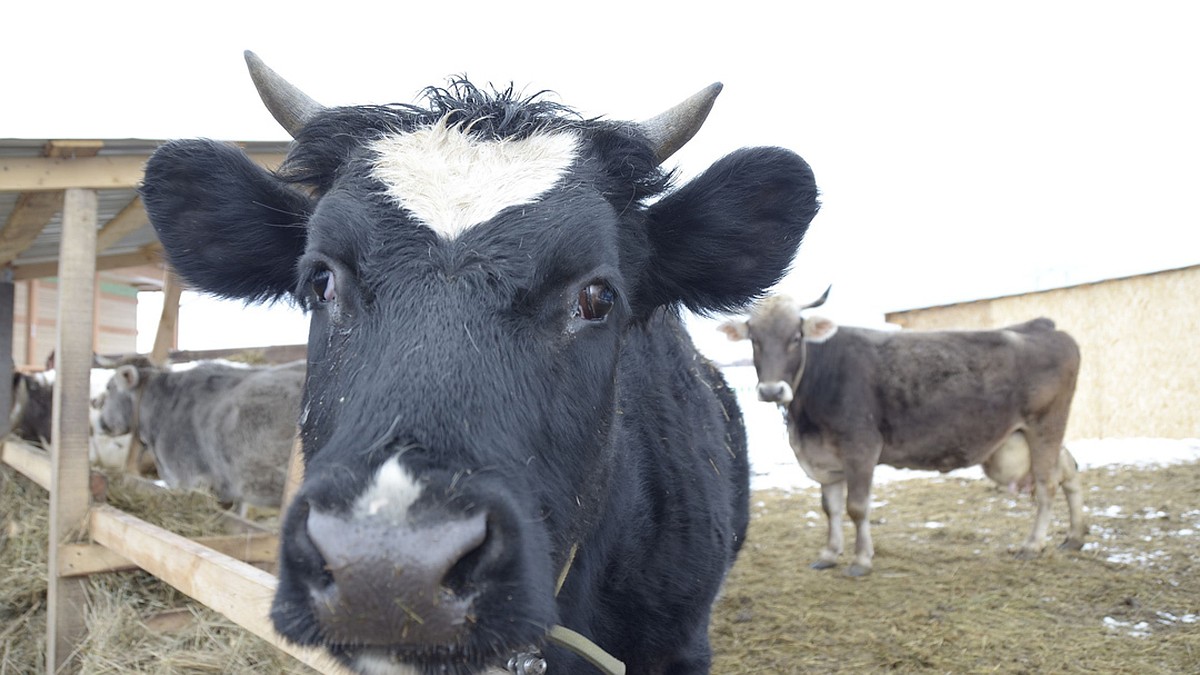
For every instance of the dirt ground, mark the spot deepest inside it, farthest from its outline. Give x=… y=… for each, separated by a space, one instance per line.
x=946 y=596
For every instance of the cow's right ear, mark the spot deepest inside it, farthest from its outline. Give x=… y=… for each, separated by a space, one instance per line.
x=229 y=227
x=127 y=377
x=735 y=330
x=817 y=329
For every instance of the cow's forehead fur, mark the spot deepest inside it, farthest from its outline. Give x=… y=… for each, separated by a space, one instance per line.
x=775 y=315
x=471 y=153
x=450 y=180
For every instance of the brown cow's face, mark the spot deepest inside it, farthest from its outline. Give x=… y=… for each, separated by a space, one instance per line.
x=778 y=335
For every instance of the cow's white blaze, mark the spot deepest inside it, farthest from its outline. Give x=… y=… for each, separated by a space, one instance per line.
x=451 y=181
x=392 y=492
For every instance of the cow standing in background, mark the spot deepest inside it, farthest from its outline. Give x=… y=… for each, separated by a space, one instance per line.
x=223 y=427
x=500 y=391
x=943 y=400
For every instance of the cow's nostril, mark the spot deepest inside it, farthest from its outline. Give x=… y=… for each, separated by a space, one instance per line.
x=396 y=583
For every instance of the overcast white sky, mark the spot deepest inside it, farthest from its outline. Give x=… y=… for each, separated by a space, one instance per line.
x=964 y=149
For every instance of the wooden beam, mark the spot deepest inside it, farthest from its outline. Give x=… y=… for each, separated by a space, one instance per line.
x=69 y=468
x=33 y=462
x=84 y=559
x=32 y=212
x=106 y=172
x=130 y=219
x=239 y=591
x=168 y=320
x=150 y=253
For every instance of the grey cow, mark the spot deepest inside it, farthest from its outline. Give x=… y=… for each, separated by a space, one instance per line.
x=944 y=400
x=215 y=426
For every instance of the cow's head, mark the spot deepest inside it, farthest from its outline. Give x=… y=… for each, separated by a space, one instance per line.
x=476 y=271
x=117 y=402
x=779 y=334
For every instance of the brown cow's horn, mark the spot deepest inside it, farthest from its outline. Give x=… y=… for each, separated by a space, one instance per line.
x=819 y=301
x=289 y=106
x=669 y=131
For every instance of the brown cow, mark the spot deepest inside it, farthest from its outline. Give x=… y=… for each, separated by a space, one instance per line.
x=941 y=400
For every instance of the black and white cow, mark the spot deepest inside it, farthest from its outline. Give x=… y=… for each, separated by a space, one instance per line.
x=934 y=400
x=498 y=375
x=217 y=426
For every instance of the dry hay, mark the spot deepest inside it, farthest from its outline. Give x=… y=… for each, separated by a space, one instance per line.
x=948 y=599
x=947 y=595
x=119 y=604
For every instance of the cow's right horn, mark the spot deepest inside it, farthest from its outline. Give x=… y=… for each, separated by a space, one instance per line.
x=289 y=106
x=670 y=130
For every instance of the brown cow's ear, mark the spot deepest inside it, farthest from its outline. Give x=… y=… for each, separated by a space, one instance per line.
x=127 y=377
x=818 y=329
x=735 y=330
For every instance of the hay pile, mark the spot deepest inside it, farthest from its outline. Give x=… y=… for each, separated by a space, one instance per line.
x=119 y=604
x=946 y=596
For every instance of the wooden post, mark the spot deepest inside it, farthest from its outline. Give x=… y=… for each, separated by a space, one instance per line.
x=31 y=309
x=7 y=296
x=69 y=496
x=295 y=475
x=168 y=321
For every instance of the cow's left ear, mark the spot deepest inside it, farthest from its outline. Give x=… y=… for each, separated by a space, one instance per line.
x=735 y=330
x=721 y=240
x=127 y=377
x=228 y=226
x=817 y=329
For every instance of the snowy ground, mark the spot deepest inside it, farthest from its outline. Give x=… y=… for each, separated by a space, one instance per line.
x=773 y=465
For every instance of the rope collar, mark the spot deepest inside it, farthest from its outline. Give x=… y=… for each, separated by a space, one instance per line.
x=533 y=663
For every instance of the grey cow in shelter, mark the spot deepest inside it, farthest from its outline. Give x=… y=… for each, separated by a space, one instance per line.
x=933 y=400
x=225 y=427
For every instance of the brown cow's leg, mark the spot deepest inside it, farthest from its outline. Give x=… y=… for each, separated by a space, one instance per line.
x=1073 y=490
x=1044 y=465
x=833 y=501
x=858 y=505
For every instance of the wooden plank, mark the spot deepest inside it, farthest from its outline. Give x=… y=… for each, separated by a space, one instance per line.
x=32 y=462
x=239 y=591
x=168 y=320
x=84 y=559
x=131 y=219
x=106 y=172
x=69 y=468
x=151 y=253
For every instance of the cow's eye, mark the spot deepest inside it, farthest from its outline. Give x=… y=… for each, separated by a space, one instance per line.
x=324 y=286
x=596 y=301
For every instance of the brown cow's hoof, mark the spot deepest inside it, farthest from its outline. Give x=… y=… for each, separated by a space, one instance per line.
x=1027 y=554
x=858 y=571
x=823 y=564
x=1071 y=545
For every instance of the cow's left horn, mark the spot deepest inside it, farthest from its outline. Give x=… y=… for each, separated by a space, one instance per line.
x=819 y=301
x=289 y=106
x=670 y=130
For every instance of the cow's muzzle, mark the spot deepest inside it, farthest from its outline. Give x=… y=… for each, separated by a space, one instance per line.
x=775 y=392
x=396 y=584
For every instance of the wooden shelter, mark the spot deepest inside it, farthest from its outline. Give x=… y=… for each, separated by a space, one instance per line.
x=69 y=209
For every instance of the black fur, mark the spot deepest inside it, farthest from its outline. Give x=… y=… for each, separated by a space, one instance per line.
x=470 y=361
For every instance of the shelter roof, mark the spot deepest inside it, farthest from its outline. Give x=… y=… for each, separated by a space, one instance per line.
x=34 y=173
